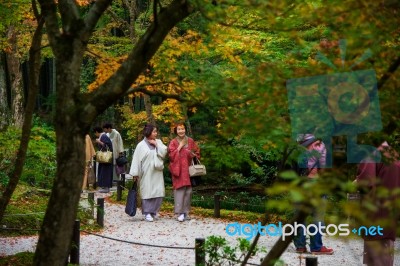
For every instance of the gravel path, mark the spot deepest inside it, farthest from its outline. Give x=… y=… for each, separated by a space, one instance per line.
x=167 y=231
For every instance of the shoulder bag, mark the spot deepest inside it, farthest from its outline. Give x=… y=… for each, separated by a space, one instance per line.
x=158 y=162
x=121 y=160
x=197 y=169
x=104 y=156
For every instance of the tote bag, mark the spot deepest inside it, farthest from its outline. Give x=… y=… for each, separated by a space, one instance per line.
x=131 y=205
x=104 y=156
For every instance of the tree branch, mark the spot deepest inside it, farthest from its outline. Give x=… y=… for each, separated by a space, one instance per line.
x=155 y=12
x=393 y=67
x=119 y=83
x=142 y=89
x=95 y=12
x=281 y=245
x=90 y=52
x=49 y=12
x=69 y=14
x=36 y=11
x=123 y=22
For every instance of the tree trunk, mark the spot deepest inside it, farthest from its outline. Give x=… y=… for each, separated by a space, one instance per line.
x=4 y=113
x=76 y=112
x=55 y=236
x=17 y=88
x=149 y=109
x=34 y=69
x=188 y=125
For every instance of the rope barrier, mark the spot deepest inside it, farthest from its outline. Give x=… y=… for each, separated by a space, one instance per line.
x=23 y=214
x=136 y=243
x=107 y=237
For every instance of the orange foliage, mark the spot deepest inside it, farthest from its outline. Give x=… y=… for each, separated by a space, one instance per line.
x=84 y=2
x=104 y=70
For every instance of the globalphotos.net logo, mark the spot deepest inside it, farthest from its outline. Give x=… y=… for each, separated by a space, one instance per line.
x=250 y=230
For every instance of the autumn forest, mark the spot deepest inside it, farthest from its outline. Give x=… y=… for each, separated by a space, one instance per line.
x=222 y=67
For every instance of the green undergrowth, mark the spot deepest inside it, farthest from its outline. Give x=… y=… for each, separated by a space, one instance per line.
x=25 y=212
x=19 y=259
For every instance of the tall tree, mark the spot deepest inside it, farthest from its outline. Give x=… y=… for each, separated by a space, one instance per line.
x=250 y=97
x=3 y=95
x=33 y=88
x=15 y=76
x=14 y=44
x=76 y=111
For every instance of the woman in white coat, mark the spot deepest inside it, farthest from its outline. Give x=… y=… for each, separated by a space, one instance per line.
x=147 y=167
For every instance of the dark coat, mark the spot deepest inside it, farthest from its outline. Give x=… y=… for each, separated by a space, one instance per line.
x=105 y=170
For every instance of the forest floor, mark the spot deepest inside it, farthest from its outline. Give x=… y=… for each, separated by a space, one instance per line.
x=124 y=239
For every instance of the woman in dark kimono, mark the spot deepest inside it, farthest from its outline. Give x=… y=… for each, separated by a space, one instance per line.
x=105 y=170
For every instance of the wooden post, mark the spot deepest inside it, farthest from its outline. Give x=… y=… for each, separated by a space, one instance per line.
x=311 y=261
x=119 y=190
x=123 y=180
x=91 y=202
x=95 y=174
x=200 y=254
x=74 y=253
x=217 y=205
x=100 y=211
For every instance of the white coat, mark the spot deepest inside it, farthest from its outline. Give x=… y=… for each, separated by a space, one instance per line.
x=147 y=164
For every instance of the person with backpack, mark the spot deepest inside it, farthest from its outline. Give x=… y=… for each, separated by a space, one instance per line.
x=310 y=165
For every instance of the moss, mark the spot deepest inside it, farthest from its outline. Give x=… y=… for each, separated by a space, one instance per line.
x=26 y=211
x=19 y=259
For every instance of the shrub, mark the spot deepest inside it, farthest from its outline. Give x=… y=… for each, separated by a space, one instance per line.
x=40 y=164
x=219 y=252
x=8 y=151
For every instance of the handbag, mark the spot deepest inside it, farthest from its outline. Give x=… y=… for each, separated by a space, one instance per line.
x=158 y=162
x=104 y=156
x=197 y=169
x=130 y=207
x=121 y=160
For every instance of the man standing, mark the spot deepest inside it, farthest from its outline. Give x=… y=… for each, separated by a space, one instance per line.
x=118 y=147
x=381 y=184
x=314 y=159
